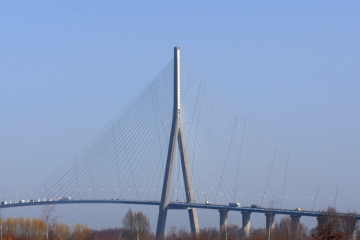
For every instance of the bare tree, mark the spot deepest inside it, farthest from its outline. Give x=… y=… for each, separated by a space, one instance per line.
x=348 y=225
x=172 y=234
x=328 y=232
x=183 y=234
x=208 y=233
x=330 y=228
x=48 y=215
x=285 y=230
x=137 y=225
x=259 y=233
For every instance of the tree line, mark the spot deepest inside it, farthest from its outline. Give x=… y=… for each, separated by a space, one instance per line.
x=25 y=228
x=136 y=226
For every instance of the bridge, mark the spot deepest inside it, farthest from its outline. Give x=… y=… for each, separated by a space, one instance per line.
x=176 y=205
x=223 y=209
x=182 y=146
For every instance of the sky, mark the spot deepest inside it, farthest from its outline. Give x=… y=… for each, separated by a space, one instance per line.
x=67 y=68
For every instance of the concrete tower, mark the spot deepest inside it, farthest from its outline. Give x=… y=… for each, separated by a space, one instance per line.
x=177 y=135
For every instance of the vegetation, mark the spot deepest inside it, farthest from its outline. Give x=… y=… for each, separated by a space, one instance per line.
x=334 y=226
x=136 y=226
x=25 y=228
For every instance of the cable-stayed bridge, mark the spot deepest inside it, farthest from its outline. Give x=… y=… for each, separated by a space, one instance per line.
x=181 y=145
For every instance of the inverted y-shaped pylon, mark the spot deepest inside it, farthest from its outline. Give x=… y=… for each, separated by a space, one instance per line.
x=177 y=135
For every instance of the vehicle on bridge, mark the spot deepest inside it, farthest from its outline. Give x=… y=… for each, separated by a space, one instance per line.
x=297 y=209
x=234 y=205
x=207 y=202
x=65 y=199
x=254 y=206
x=22 y=201
x=4 y=202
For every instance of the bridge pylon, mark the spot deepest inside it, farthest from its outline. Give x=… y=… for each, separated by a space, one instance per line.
x=177 y=135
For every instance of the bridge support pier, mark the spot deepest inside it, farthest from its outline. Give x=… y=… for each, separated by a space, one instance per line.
x=321 y=221
x=295 y=222
x=270 y=223
x=194 y=222
x=245 y=224
x=223 y=223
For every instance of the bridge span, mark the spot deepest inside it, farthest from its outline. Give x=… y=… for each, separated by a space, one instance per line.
x=223 y=210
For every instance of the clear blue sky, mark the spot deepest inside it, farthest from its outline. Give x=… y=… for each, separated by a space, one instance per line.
x=68 y=67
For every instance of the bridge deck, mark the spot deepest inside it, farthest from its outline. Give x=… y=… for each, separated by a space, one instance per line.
x=174 y=205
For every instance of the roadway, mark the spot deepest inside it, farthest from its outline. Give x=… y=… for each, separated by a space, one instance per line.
x=174 y=205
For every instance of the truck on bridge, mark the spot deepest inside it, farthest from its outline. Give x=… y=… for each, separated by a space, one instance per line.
x=65 y=199
x=234 y=205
